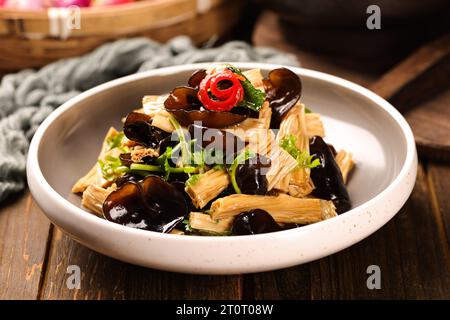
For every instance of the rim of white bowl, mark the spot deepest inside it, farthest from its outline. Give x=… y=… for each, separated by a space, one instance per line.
x=85 y=216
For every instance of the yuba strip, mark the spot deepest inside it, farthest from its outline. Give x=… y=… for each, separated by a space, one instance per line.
x=283 y=208
x=314 y=125
x=203 y=222
x=208 y=186
x=93 y=198
x=294 y=124
x=94 y=176
x=282 y=163
x=345 y=162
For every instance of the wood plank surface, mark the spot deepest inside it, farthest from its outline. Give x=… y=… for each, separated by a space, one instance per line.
x=106 y=278
x=411 y=251
x=439 y=180
x=343 y=275
x=24 y=232
x=399 y=80
x=430 y=123
x=267 y=33
x=417 y=86
x=412 y=262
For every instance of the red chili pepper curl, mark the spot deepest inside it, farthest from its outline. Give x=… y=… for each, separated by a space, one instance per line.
x=216 y=98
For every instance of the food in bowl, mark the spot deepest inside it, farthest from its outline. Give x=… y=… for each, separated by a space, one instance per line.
x=230 y=153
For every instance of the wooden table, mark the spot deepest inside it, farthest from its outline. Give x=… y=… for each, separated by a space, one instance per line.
x=412 y=250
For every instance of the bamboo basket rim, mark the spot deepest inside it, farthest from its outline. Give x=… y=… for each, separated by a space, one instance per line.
x=118 y=19
x=90 y=12
x=30 y=39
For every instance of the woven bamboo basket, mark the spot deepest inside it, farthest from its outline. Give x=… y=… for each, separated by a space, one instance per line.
x=33 y=39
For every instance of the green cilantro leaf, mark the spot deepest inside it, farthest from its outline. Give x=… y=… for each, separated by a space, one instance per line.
x=253 y=98
x=112 y=168
x=115 y=141
x=303 y=158
x=187 y=226
x=193 y=179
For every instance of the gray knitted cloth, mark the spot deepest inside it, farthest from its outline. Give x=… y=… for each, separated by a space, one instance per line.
x=29 y=96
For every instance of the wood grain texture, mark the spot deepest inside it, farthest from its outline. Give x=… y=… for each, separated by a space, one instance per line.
x=268 y=33
x=419 y=87
x=439 y=180
x=414 y=86
x=106 y=278
x=24 y=232
x=431 y=127
x=158 y=20
x=411 y=251
x=424 y=59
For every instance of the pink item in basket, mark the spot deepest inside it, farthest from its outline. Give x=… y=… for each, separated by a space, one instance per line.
x=96 y=3
x=68 y=3
x=23 y=4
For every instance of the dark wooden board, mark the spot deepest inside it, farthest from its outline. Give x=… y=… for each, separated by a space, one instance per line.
x=414 y=263
x=416 y=86
x=411 y=251
x=439 y=179
x=419 y=87
x=431 y=126
x=106 y=278
x=24 y=231
x=418 y=77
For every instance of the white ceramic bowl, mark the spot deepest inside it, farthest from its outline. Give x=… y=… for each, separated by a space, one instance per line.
x=67 y=143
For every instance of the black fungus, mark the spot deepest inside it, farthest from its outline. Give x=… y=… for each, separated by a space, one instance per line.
x=215 y=142
x=251 y=175
x=125 y=158
x=225 y=193
x=284 y=89
x=151 y=204
x=244 y=111
x=182 y=98
x=138 y=128
x=327 y=177
x=254 y=222
x=185 y=106
x=332 y=149
x=178 y=176
x=180 y=185
x=167 y=142
x=196 y=78
x=128 y=177
x=150 y=160
x=210 y=119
